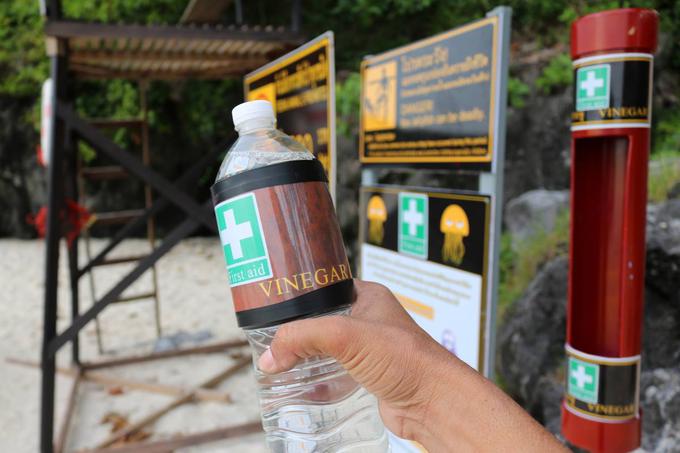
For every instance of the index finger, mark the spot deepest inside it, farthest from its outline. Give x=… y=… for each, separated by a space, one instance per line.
x=376 y=302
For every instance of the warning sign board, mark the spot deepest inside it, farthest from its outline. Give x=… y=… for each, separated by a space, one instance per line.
x=300 y=86
x=430 y=249
x=432 y=101
x=439 y=102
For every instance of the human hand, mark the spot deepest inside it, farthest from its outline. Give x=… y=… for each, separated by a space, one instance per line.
x=425 y=393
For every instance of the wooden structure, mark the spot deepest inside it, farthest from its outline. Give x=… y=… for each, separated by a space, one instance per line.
x=136 y=52
x=139 y=127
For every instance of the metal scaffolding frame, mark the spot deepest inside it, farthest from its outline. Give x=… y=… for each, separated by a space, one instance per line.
x=217 y=53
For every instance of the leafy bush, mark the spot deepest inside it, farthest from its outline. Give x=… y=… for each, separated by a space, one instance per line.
x=518 y=266
x=664 y=173
x=557 y=74
x=517 y=92
x=347 y=95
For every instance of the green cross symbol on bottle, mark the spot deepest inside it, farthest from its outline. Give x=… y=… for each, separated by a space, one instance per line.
x=592 y=87
x=583 y=380
x=242 y=237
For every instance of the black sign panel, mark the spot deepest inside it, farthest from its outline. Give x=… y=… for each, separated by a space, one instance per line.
x=432 y=101
x=300 y=86
x=612 y=90
x=457 y=225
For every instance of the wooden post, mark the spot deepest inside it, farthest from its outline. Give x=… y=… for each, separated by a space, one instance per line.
x=207 y=349
x=103 y=379
x=210 y=383
x=169 y=445
x=66 y=422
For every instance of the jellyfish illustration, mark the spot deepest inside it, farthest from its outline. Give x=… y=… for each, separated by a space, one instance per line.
x=377 y=215
x=455 y=226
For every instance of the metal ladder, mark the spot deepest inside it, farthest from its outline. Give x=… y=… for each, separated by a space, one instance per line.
x=114 y=172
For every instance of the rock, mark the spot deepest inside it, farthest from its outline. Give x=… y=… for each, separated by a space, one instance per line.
x=660 y=403
x=674 y=192
x=534 y=211
x=537 y=154
x=532 y=334
x=663 y=248
x=531 y=337
x=661 y=331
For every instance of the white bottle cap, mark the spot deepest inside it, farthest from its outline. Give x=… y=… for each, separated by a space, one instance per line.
x=252 y=110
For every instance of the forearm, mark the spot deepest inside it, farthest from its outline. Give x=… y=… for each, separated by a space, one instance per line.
x=469 y=413
x=425 y=393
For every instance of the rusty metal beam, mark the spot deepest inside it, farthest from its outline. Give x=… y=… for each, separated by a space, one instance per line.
x=112 y=55
x=85 y=74
x=72 y=29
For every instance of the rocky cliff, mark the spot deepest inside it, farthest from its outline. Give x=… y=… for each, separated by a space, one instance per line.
x=530 y=360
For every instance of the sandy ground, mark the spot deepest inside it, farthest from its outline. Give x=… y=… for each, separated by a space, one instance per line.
x=195 y=307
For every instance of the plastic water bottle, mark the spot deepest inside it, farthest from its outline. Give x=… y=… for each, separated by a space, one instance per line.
x=286 y=261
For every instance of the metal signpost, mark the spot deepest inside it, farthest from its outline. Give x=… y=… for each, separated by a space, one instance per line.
x=438 y=104
x=300 y=86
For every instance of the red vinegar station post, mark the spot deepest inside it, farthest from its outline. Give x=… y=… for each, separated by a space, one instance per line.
x=612 y=53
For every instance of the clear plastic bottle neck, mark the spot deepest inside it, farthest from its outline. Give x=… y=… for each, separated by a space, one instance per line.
x=254 y=125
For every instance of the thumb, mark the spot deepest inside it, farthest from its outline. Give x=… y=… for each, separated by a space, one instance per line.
x=329 y=336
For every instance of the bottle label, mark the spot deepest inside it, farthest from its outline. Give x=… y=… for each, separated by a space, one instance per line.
x=282 y=244
x=612 y=91
x=245 y=248
x=604 y=389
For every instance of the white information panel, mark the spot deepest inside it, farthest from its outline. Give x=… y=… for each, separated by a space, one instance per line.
x=446 y=302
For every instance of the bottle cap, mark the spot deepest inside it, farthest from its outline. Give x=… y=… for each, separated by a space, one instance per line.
x=252 y=110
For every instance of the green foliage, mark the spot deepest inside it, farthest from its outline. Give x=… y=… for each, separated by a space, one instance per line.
x=87 y=154
x=517 y=92
x=371 y=10
x=664 y=165
x=557 y=74
x=518 y=266
x=23 y=66
x=131 y=11
x=574 y=10
x=186 y=117
x=347 y=103
x=667 y=130
x=664 y=173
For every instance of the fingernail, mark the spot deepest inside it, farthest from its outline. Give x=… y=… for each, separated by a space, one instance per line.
x=266 y=362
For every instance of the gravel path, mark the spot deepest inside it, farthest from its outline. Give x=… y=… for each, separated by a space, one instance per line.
x=195 y=309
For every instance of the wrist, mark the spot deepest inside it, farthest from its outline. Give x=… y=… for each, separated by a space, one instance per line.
x=443 y=378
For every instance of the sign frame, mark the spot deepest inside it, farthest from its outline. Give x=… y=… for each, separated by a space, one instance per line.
x=489 y=182
x=473 y=162
x=454 y=195
x=324 y=40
